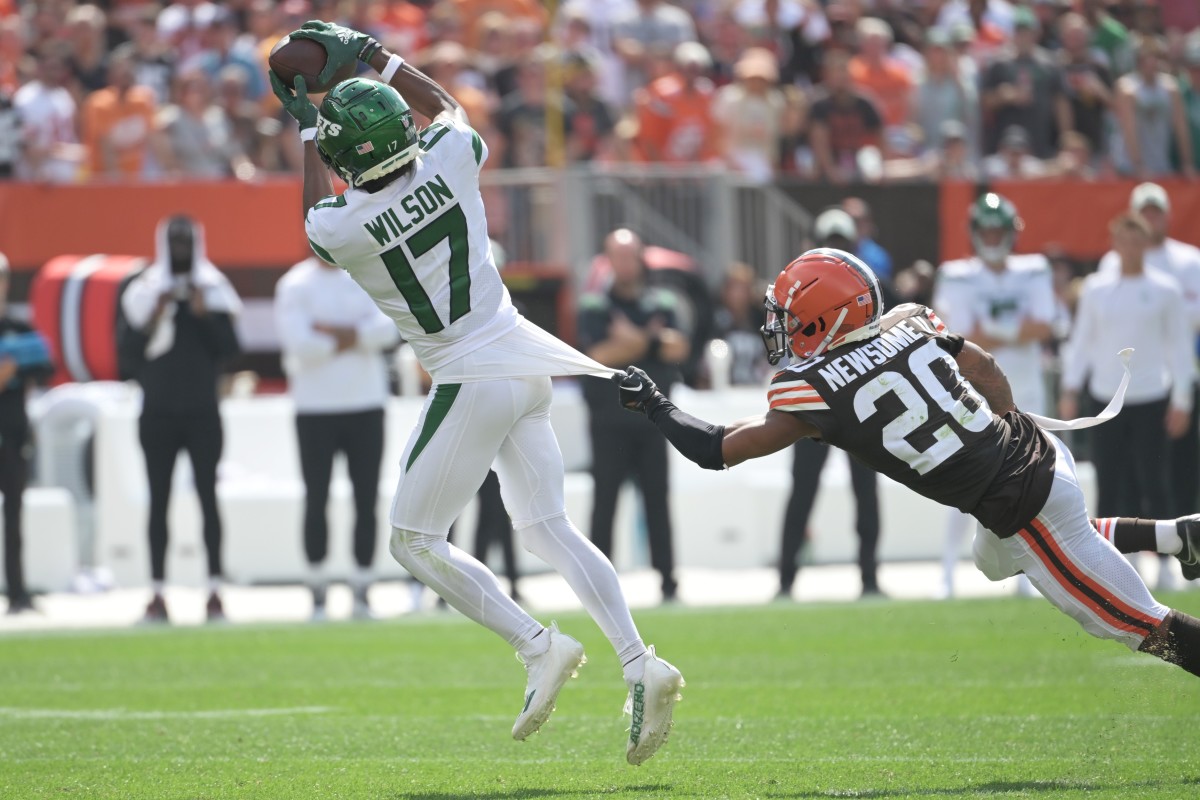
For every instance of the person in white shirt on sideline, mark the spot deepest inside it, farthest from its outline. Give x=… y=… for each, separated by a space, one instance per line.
x=333 y=336
x=1182 y=262
x=1141 y=308
x=1005 y=304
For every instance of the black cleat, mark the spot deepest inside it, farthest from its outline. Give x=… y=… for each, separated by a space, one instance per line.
x=156 y=611
x=1189 y=554
x=214 y=610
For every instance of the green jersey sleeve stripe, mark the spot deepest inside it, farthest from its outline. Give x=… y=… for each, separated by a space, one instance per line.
x=321 y=251
x=333 y=201
x=438 y=131
x=477 y=146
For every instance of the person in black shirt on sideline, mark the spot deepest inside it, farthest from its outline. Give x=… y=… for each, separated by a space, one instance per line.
x=180 y=313
x=933 y=412
x=631 y=323
x=24 y=357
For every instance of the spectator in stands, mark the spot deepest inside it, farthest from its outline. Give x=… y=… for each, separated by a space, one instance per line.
x=1074 y=160
x=446 y=63
x=181 y=26
x=179 y=333
x=942 y=95
x=1132 y=476
x=10 y=137
x=631 y=324
x=153 y=62
x=879 y=76
x=15 y=62
x=197 y=138
x=841 y=123
x=794 y=30
x=86 y=31
x=600 y=20
x=1024 y=87
x=333 y=337
x=24 y=359
x=952 y=161
x=523 y=114
x=647 y=32
x=865 y=247
x=750 y=116
x=738 y=321
x=253 y=135
x=118 y=121
x=1109 y=36
x=47 y=115
x=1150 y=114
x=1190 y=86
x=1088 y=81
x=1013 y=161
x=220 y=50
x=675 y=123
x=592 y=120
x=832 y=228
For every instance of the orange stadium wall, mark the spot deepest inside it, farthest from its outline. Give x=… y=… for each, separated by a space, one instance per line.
x=1073 y=216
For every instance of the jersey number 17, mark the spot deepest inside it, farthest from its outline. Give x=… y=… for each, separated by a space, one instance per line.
x=450 y=225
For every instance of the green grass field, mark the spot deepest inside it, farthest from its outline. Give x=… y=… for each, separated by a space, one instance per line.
x=977 y=699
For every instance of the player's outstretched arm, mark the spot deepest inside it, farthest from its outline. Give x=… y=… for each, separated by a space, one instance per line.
x=710 y=446
x=978 y=367
x=420 y=91
x=317 y=183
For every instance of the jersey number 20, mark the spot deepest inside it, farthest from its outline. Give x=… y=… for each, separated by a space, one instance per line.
x=452 y=225
x=916 y=409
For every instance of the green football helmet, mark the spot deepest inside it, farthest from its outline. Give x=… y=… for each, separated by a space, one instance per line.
x=365 y=130
x=993 y=212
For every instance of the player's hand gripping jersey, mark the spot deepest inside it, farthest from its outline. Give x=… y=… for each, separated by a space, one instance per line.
x=420 y=248
x=897 y=403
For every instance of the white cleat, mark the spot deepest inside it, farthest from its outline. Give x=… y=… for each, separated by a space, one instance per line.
x=650 y=704
x=547 y=675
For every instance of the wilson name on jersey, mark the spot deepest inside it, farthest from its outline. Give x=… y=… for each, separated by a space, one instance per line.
x=898 y=404
x=420 y=248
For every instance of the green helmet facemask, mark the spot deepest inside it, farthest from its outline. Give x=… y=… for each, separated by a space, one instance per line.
x=365 y=130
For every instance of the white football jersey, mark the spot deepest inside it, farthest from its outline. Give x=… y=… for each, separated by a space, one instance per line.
x=969 y=295
x=420 y=248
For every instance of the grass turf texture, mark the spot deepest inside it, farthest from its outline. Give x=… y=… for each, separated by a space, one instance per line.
x=977 y=699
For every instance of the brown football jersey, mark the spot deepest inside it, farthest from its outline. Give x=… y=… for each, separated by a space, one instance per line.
x=897 y=403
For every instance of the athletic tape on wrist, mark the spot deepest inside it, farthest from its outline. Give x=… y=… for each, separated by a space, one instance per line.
x=308 y=134
x=393 y=66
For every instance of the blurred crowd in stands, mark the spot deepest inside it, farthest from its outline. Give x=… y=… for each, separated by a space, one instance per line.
x=828 y=90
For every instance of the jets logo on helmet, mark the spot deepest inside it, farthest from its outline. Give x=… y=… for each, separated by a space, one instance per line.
x=994 y=227
x=365 y=130
x=823 y=299
x=327 y=128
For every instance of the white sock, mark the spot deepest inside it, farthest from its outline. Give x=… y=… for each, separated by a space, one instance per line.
x=317 y=578
x=635 y=668
x=361 y=578
x=156 y=587
x=1166 y=534
x=214 y=584
x=468 y=586
x=591 y=577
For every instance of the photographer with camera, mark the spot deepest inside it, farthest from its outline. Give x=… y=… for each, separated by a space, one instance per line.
x=179 y=313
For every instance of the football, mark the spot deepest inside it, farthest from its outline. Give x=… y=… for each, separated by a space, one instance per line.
x=292 y=57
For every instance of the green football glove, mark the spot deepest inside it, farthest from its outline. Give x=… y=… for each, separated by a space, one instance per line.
x=343 y=45
x=295 y=102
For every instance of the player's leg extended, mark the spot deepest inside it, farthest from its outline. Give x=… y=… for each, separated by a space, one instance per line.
x=530 y=467
x=447 y=458
x=1084 y=576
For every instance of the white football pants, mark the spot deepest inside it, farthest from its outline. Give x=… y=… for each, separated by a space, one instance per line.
x=464 y=429
x=1072 y=565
